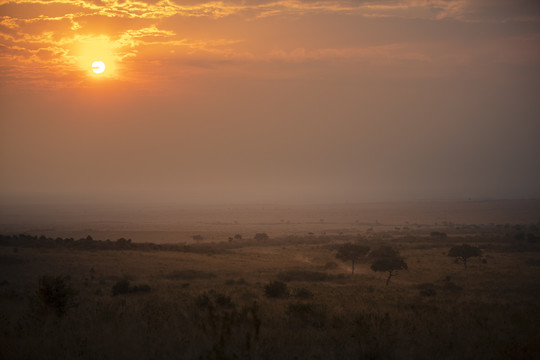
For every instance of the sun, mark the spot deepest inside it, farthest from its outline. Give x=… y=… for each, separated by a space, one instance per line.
x=97 y=56
x=98 y=67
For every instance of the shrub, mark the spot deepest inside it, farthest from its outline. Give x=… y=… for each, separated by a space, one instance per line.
x=331 y=265
x=276 y=289
x=261 y=236
x=240 y=281
x=438 y=234
x=212 y=299
x=314 y=314
x=427 y=289
x=303 y=293
x=123 y=287
x=223 y=300
x=303 y=275
x=140 y=288
x=428 y=292
x=190 y=275
x=197 y=238
x=56 y=293
x=203 y=300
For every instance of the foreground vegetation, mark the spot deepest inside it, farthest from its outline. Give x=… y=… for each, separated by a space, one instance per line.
x=288 y=298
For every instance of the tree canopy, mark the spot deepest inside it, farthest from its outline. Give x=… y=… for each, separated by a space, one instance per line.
x=387 y=259
x=383 y=251
x=463 y=252
x=352 y=252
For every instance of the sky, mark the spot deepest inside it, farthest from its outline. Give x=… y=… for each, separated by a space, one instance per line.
x=244 y=101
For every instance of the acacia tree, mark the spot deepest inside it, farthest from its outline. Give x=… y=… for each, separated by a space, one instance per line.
x=463 y=252
x=390 y=265
x=352 y=252
x=387 y=259
x=383 y=251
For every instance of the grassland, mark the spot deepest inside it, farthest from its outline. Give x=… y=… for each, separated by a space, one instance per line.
x=212 y=304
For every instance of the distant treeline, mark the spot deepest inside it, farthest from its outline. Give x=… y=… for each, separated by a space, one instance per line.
x=88 y=243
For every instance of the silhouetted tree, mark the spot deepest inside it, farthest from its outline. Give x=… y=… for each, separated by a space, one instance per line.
x=389 y=264
x=351 y=252
x=197 y=238
x=238 y=237
x=383 y=251
x=387 y=259
x=463 y=252
x=261 y=236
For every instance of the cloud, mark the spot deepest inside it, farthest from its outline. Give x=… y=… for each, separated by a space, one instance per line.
x=206 y=34
x=488 y=10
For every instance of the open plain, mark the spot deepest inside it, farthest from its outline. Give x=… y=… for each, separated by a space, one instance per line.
x=285 y=296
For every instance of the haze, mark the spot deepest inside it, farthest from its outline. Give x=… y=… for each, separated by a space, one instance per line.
x=270 y=101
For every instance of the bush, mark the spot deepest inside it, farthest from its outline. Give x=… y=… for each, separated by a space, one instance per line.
x=303 y=293
x=331 y=265
x=140 y=288
x=190 y=275
x=203 y=300
x=428 y=292
x=276 y=289
x=240 y=281
x=212 y=299
x=261 y=236
x=56 y=293
x=438 y=234
x=314 y=314
x=197 y=238
x=303 y=275
x=123 y=287
x=427 y=289
x=223 y=301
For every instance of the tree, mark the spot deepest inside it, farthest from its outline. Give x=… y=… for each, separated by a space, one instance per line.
x=463 y=252
x=261 y=236
x=387 y=259
x=383 y=251
x=438 y=234
x=389 y=264
x=352 y=252
x=57 y=293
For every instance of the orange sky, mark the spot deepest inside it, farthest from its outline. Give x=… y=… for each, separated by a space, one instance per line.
x=249 y=101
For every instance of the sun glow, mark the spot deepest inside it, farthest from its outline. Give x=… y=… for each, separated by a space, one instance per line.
x=97 y=56
x=98 y=67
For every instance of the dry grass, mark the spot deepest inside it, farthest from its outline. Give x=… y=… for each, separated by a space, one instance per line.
x=197 y=309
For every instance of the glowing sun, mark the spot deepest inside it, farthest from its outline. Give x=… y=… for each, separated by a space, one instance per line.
x=98 y=51
x=98 y=67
